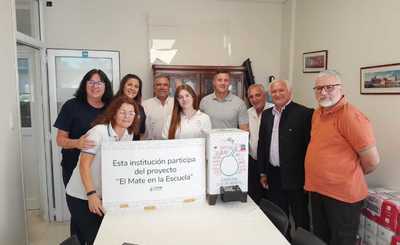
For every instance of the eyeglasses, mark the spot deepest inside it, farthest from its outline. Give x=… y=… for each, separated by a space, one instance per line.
x=127 y=113
x=327 y=88
x=95 y=83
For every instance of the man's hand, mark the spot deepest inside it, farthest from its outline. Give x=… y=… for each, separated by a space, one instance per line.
x=264 y=182
x=84 y=143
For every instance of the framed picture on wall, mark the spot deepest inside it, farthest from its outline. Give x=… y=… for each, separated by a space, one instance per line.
x=314 y=62
x=382 y=79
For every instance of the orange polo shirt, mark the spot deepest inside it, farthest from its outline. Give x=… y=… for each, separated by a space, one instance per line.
x=332 y=165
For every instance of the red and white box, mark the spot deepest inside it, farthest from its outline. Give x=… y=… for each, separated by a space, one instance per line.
x=390 y=214
x=375 y=201
x=384 y=236
x=369 y=238
x=370 y=230
x=395 y=240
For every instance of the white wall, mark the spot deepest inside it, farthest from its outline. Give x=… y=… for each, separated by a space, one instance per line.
x=287 y=43
x=356 y=33
x=207 y=32
x=12 y=213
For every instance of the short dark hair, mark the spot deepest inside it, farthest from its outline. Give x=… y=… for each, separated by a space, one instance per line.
x=222 y=72
x=81 y=94
x=124 y=80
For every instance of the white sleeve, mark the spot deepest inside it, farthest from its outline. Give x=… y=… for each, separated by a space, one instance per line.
x=165 y=130
x=96 y=136
x=147 y=131
x=205 y=125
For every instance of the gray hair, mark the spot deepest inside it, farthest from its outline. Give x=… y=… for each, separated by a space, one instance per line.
x=162 y=76
x=336 y=74
x=256 y=86
x=285 y=82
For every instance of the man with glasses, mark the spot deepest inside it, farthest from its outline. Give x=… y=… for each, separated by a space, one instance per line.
x=341 y=151
x=282 y=145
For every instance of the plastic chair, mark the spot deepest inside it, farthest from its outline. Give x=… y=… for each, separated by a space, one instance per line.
x=303 y=237
x=277 y=216
x=72 y=240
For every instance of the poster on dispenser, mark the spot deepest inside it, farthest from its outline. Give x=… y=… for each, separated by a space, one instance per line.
x=227 y=159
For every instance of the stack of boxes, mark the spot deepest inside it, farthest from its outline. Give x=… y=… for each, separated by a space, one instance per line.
x=380 y=218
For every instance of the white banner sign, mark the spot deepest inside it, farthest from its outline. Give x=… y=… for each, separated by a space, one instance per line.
x=139 y=174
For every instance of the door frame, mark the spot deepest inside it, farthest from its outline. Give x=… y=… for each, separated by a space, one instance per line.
x=61 y=212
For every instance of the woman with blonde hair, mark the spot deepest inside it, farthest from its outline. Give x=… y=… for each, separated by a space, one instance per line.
x=186 y=120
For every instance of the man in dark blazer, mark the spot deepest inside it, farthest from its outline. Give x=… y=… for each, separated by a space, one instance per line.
x=283 y=139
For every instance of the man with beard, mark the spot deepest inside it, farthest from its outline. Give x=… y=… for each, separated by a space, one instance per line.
x=341 y=151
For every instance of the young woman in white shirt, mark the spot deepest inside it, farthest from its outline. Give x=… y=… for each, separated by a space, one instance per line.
x=186 y=120
x=119 y=122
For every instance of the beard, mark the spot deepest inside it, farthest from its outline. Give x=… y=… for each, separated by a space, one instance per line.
x=328 y=102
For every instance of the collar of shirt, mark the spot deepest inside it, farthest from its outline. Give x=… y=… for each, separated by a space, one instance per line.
x=252 y=111
x=159 y=101
x=275 y=110
x=339 y=105
x=113 y=134
x=229 y=97
x=183 y=116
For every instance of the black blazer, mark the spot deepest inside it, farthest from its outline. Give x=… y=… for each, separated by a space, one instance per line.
x=294 y=135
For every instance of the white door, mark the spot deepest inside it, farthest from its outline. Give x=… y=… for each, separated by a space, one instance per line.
x=28 y=73
x=66 y=69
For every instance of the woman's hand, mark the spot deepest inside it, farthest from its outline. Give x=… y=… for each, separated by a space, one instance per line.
x=95 y=205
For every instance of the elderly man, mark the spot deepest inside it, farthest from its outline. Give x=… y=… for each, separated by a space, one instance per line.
x=257 y=98
x=282 y=145
x=225 y=109
x=341 y=151
x=158 y=108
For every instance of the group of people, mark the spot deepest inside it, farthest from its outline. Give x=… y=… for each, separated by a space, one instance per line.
x=321 y=155
x=293 y=149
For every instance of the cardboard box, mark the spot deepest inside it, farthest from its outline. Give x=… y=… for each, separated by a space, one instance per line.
x=227 y=159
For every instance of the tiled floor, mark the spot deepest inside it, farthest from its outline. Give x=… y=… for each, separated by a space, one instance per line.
x=44 y=233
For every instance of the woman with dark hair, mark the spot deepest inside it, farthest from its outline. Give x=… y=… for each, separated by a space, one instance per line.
x=119 y=122
x=186 y=121
x=131 y=86
x=76 y=115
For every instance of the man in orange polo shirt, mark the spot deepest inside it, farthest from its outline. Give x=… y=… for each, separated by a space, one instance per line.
x=341 y=151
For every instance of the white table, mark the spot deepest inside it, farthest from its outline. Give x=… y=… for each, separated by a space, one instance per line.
x=225 y=223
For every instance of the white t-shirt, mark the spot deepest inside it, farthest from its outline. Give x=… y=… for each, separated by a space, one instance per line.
x=156 y=114
x=254 y=127
x=195 y=127
x=99 y=134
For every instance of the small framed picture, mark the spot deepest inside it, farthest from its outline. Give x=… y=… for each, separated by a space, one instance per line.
x=382 y=79
x=314 y=62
